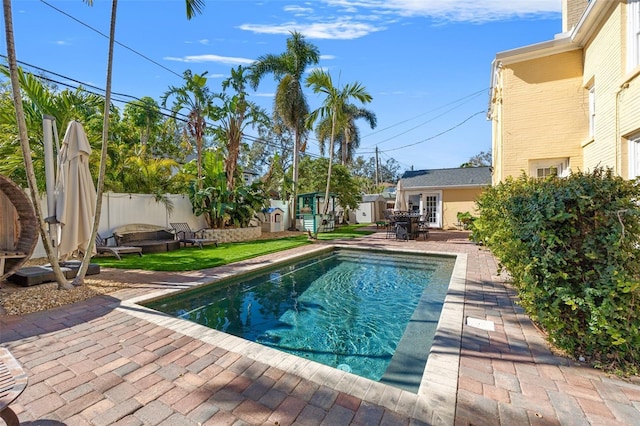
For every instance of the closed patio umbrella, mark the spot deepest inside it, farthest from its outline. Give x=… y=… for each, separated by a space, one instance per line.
x=401 y=203
x=75 y=204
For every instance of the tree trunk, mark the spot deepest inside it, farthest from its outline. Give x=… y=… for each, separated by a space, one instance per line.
x=82 y=272
x=233 y=151
x=26 y=149
x=294 y=192
x=329 y=169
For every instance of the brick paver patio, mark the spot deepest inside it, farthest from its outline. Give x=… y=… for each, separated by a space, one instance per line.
x=106 y=362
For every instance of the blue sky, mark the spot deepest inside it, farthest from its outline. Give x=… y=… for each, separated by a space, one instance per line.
x=425 y=62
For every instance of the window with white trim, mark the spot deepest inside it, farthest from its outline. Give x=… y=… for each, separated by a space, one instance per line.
x=592 y=112
x=634 y=156
x=551 y=167
x=633 y=34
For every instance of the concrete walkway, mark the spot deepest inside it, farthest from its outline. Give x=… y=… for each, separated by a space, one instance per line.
x=105 y=361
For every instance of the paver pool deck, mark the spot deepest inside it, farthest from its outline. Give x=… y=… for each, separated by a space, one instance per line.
x=107 y=361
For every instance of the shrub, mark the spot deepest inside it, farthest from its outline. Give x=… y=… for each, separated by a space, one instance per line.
x=572 y=248
x=465 y=219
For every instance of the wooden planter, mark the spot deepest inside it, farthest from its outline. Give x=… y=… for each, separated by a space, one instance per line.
x=18 y=227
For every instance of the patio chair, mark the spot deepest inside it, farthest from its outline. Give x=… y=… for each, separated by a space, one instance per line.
x=186 y=235
x=423 y=228
x=13 y=380
x=102 y=247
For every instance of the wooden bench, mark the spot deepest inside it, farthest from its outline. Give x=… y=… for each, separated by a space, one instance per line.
x=151 y=238
x=9 y=255
x=13 y=380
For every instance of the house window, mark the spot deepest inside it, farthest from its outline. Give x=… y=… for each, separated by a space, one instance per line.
x=633 y=34
x=592 y=112
x=634 y=157
x=552 y=167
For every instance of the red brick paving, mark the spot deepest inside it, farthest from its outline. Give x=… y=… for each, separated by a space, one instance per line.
x=92 y=364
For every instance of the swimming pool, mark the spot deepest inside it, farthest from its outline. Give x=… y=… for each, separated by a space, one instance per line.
x=370 y=313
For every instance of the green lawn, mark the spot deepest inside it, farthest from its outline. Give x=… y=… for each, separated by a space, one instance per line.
x=192 y=258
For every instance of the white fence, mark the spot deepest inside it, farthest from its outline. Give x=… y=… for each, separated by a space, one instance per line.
x=123 y=209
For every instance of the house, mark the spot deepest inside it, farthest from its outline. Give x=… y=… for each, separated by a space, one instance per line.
x=573 y=102
x=443 y=193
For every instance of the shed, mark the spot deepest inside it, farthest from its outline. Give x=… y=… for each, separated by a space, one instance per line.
x=371 y=208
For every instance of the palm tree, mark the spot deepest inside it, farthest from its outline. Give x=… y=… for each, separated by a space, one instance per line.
x=24 y=143
x=351 y=136
x=235 y=114
x=334 y=106
x=197 y=100
x=290 y=103
x=348 y=139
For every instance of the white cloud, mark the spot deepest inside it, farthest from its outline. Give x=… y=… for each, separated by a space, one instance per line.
x=203 y=41
x=298 y=10
x=341 y=30
x=211 y=58
x=356 y=18
x=60 y=43
x=327 y=57
x=454 y=10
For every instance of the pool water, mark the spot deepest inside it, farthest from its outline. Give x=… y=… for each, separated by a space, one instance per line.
x=348 y=309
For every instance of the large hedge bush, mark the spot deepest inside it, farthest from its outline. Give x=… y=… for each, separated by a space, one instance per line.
x=572 y=247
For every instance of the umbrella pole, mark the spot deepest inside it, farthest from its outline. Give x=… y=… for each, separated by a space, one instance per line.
x=48 y=126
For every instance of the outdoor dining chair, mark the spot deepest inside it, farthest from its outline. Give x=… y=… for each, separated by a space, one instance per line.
x=186 y=235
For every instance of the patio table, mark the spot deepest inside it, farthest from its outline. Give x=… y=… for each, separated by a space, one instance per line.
x=407 y=225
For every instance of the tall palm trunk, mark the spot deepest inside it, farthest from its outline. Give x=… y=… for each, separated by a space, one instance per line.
x=294 y=189
x=329 y=169
x=345 y=145
x=24 y=143
x=79 y=279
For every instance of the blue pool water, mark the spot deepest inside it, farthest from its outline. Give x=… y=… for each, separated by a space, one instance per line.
x=348 y=309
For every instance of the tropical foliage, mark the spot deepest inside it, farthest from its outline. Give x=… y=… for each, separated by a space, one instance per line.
x=219 y=205
x=343 y=184
x=572 y=247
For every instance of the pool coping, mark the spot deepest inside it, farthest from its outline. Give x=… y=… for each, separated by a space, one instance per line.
x=435 y=401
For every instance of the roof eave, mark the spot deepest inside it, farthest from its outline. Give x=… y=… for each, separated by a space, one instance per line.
x=590 y=20
x=562 y=43
x=475 y=185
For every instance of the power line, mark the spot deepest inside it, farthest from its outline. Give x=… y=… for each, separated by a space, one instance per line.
x=424 y=122
x=466 y=97
x=434 y=136
x=107 y=37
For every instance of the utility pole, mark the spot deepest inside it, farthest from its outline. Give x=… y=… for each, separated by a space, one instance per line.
x=377 y=168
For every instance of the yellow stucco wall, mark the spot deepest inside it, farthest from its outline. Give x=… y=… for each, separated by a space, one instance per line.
x=541 y=112
x=458 y=200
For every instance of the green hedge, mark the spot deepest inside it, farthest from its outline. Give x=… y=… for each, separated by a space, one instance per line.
x=572 y=247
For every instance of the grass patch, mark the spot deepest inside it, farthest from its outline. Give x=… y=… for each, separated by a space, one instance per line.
x=193 y=258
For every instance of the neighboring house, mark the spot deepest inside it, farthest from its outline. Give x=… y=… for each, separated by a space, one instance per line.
x=389 y=194
x=249 y=176
x=444 y=192
x=573 y=102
